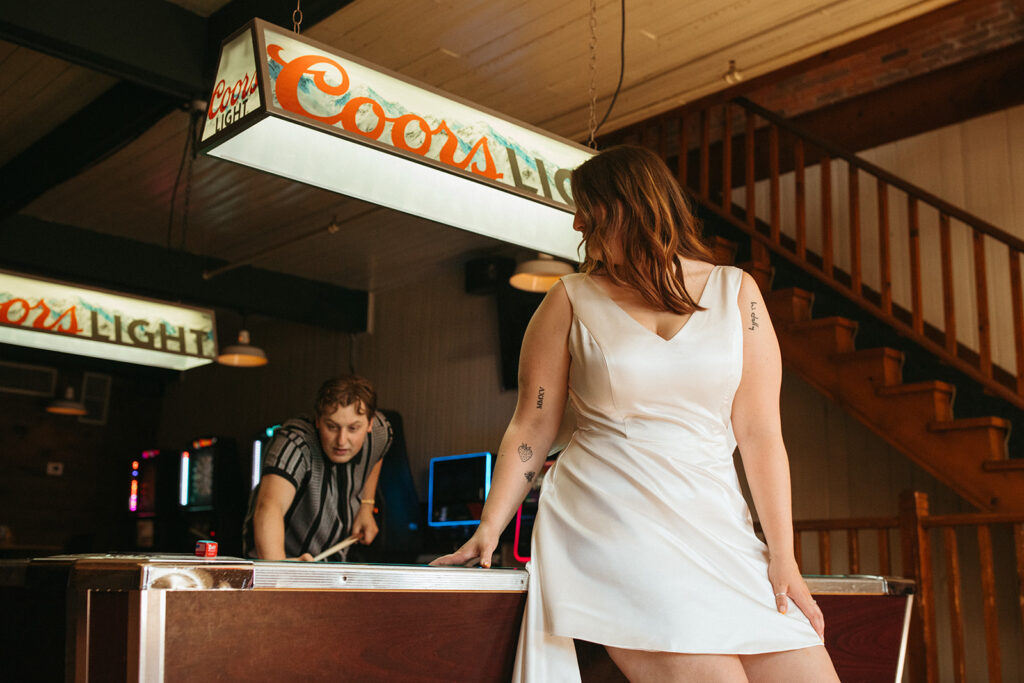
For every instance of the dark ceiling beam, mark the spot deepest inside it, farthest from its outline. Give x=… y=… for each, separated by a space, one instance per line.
x=36 y=247
x=155 y=46
x=102 y=127
x=153 y=43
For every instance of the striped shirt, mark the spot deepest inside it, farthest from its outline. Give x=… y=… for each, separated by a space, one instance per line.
x=326 y=494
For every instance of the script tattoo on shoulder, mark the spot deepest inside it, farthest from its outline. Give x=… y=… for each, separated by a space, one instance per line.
x=525 y=452
x=540 y=398
x=529 y=476
x=753 y=316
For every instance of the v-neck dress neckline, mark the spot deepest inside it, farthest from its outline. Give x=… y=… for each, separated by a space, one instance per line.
x=667 y=340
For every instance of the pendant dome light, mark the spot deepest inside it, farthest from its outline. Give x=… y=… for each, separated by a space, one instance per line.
x=67 y=405
x=539 y=274
x=243 y=354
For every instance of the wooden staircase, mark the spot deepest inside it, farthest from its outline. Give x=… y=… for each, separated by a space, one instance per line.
x=967 y=453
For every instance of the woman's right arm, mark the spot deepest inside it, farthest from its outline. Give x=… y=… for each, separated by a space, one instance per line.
x=543 y=388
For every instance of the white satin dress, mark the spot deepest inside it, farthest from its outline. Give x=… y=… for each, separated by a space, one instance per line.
x=642 y=538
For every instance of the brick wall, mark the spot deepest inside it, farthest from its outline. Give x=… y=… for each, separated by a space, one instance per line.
x=947 y=36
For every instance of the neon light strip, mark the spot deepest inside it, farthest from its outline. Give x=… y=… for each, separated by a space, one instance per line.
x=133 y=499
x=257 y=460
x=515 y=542
x=183 y=488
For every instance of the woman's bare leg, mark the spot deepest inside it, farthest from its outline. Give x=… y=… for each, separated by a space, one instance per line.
x=642 y=665
x=809 y=664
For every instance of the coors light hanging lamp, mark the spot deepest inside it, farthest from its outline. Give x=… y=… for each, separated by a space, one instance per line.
x=296 y=108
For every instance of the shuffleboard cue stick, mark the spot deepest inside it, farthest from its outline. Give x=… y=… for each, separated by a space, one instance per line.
x=336 y=547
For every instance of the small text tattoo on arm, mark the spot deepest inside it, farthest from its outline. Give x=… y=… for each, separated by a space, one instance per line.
x=525 y=452
x=540 y=398
x=753 y=316
x=529 y=476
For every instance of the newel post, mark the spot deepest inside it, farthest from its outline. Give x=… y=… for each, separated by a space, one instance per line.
x=917 y=565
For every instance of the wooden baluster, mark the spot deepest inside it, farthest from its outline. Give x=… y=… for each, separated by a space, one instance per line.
x=981 y=289
x=800 y=198
x=917 y=565
x=956 y=618
x=751 y=176
x=948 y=305
x=726 y=160
x=853 y=550
x=1017 y=297
x=825 y=552
x=988 y=597
x=705 y=153
x=773 y=163
x=854 y=192
x=826 y=214
x=798 y=550
x=884 y=563
x=684 y=153
x=884 y=258
x=1018 y=537
x=917 y=307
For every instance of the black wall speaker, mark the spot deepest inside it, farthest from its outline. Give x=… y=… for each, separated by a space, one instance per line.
x=485 y=275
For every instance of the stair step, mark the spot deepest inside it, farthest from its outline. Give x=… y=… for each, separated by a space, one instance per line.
x=969 y=423
x=761 y=272
x=933 y=399
x=882 y=366
x=1017 y=464
x=789 y=306
x=914 y=387
x=723 y=250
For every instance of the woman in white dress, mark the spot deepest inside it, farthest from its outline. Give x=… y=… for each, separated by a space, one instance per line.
x=643 y=542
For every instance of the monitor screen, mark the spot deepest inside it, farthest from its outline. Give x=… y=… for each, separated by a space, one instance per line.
x=197 y=472
x=459 y=485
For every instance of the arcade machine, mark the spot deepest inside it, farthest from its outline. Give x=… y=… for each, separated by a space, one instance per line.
x=399 y=517
x=211 y=495
x=457 y=488
x=151 y=500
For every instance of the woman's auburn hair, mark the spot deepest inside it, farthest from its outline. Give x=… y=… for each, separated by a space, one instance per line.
x=628 y=195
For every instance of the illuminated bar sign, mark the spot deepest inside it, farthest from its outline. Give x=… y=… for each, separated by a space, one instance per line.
x=46 y=314
x=308 y=112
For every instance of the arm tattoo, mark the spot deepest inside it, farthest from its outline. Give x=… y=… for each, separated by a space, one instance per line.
x=753 y=316
x=540 y=398
x=529 y=476
x=525 y=452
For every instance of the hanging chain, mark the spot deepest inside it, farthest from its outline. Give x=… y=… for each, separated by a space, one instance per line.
x=592 y=124
x=297 y=17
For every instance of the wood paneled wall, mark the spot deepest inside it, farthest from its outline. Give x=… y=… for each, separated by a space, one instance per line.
x=85 y=508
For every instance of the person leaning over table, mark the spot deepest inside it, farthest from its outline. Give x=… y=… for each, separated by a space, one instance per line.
x=319 y=476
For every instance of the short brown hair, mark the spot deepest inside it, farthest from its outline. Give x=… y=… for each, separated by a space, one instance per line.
x=628 y=194
x=344 y=391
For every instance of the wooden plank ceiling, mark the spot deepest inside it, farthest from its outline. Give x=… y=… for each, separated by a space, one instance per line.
x=526 y=58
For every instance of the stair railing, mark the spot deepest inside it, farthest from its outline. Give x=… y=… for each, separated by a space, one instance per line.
x=736 y=157
x=948 y=582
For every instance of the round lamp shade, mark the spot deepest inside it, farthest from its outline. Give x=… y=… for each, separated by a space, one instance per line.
x=243 y=354
x=67 y=405
x=539 y=274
